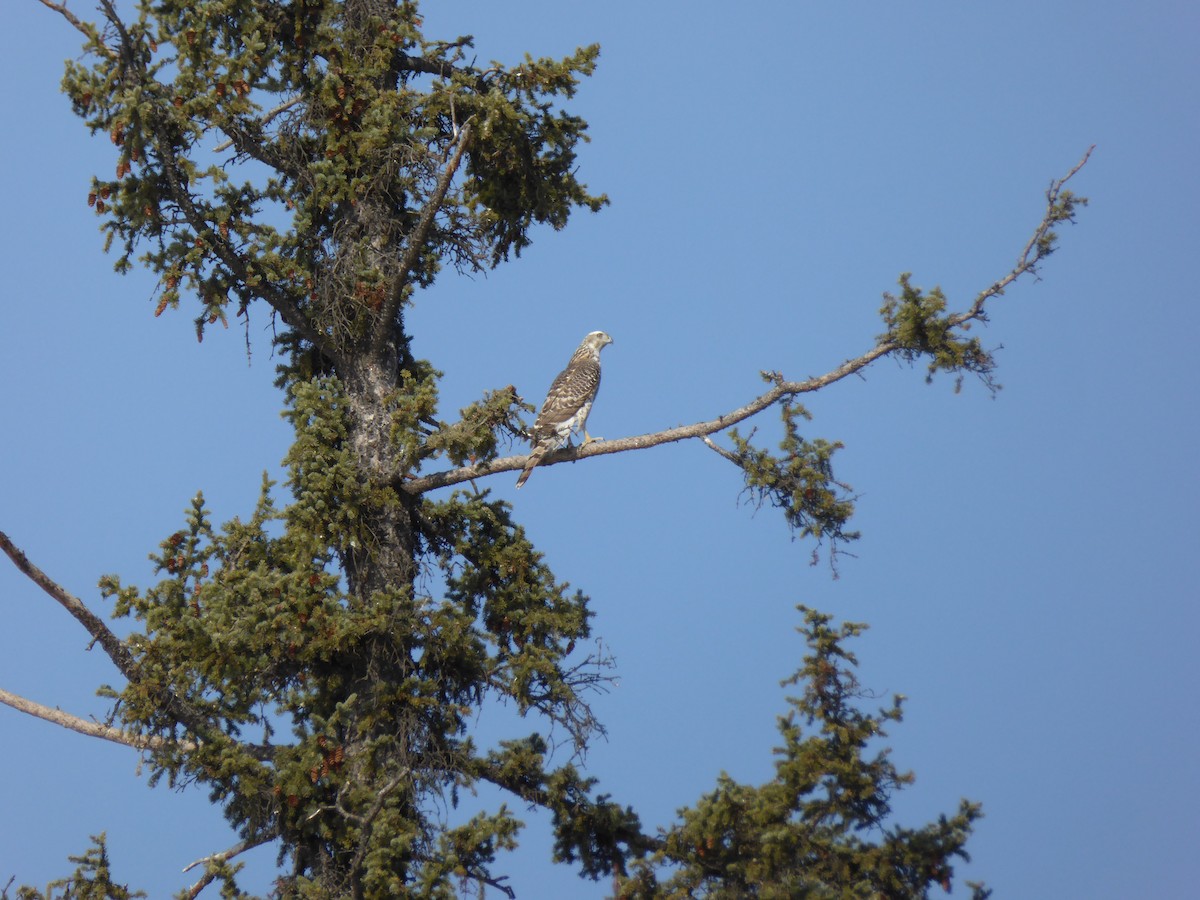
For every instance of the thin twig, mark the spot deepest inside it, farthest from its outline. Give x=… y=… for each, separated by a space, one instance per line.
x=1030 y=257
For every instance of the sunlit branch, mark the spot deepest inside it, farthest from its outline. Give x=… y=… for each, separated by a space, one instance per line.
x=1034 y=251
x=223 y=857
x=183 y=712
x=116 y=649
x=721 y=451
x=780 y=391
x=1038 y=247
x=90 y=728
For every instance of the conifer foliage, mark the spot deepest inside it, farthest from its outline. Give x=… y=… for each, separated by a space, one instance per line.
x=802 y=835
x=316 y=666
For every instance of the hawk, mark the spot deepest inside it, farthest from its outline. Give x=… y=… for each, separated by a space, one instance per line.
x=569 y=402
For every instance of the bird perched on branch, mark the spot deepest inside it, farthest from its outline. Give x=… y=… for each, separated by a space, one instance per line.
x=569 y=402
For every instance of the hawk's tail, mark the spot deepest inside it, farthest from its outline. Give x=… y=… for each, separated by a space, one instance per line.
x=535 y=457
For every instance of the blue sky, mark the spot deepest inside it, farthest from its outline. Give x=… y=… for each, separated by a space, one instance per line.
x=1029 y=565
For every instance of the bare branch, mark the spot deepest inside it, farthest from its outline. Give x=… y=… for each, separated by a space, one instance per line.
x=83 y=27
x=265 y=120
x=780 y=391
x=1035 y=251
x=223 y=857
x=719 y=450
x=497 y=883
x=116 y=649
x=180 y=709
x=416 y=241
x=90 y=728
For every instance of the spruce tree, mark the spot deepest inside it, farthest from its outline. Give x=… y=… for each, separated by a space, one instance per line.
x=316 y=665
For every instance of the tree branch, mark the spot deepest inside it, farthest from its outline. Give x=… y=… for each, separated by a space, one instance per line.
x=407 y=63
x=1040 y=245
x=534 y=792
x=116 y=649
x=224 y=250
x=416 y=243
x=178 y=184
x=92 y=729
x=497 y=883
x=780 y=391
x=1035 y=251
x=223 y=857
x=265 y=120
x=721 y=451
x=367 y=824
x=83 y=27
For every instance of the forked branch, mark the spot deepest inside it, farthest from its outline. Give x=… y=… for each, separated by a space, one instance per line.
x=177 y=707
x=221 y=858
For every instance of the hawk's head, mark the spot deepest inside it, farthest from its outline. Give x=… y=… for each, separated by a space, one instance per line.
x=597 y=340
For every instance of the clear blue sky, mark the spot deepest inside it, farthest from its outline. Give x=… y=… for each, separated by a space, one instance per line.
x=1029 y=565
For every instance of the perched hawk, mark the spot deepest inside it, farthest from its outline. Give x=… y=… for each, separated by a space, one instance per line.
x=569 y=402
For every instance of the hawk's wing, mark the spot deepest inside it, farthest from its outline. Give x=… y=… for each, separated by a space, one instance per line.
x=566 y=406
x=573 y=389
